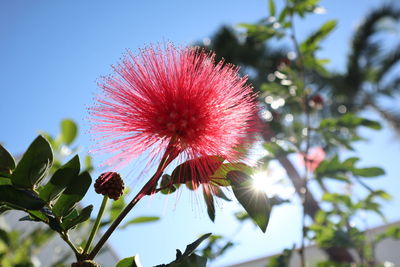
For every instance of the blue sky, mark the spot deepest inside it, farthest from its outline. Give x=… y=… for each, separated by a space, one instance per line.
x=52 y=53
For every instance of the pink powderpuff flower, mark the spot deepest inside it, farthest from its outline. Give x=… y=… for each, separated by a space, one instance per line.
x=315 y=156
x=174 y=103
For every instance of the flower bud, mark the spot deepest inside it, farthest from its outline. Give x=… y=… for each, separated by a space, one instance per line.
x=109 y=184
x=317 y=102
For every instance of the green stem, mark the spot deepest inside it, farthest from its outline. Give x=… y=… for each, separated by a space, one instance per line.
x=148 y=189
x=72 y=246
x=63 y=235
x=96 y=224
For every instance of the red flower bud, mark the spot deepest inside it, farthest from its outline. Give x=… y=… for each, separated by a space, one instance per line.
x=109 y=184
x=317 y=102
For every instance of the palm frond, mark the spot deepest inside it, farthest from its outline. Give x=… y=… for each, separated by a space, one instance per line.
x=361 y=42
x=389 y=61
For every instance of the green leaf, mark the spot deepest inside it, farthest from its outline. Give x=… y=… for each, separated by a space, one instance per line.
x=77 y=218
x=209 y=200
x=4 y=180
x=283 y=14
x=143 y=219
x=129 y=262
x=118 y=205
x=390 y=232
x=312 y=42
x=19 y=199
x=88 y=163
x=338 y=198
x=242 y=215
x=7 y=163
x=281 y=260
x=74 y=192
x=192 y=170
x=255 y=202
x=60 y=180
x=219 y=177
x=188 y=258
x=349 y=163
x=167 y=185
x=191 y=261
x=219 y=193
x=191 y=247
x=369 y=172
x=224 y=169
x=39 y=215
x=34 y=164
x=271 y=7
x=4 y=237
x=69 y=131
x=371 y=124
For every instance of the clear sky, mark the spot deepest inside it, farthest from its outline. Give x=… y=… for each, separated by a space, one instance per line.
x=52 y=52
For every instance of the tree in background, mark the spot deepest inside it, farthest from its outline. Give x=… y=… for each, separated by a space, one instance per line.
x=295 y=88
x=295 y=118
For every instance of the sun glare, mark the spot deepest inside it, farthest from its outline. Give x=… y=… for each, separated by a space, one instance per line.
x=274 y=183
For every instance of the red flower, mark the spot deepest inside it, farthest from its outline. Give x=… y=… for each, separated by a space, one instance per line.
x=174 y=102
x=317 y=102
x=315 y=156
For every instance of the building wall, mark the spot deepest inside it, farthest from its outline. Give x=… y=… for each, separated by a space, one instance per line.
x=386 y=251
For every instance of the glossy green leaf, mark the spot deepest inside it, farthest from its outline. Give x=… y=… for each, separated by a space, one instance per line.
x=74 y=192
x=34 y=164
x=129 y=262
x=7 y=163
x=60 y=180
x=77 y=218
x=255 y=202
x=19 y=199
x=143 y=219
x=369 y=172
x=69 y=131
x=39 y=215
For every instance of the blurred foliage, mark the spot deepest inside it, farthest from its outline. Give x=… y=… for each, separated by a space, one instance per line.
x=303 y=105
x=306 y=105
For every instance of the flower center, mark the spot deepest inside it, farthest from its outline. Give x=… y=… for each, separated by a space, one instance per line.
x=180 y=122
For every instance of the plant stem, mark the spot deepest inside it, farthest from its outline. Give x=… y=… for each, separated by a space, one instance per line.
x=96 y=224
x=148 y=189
x=65 y=237
x=144 y=191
